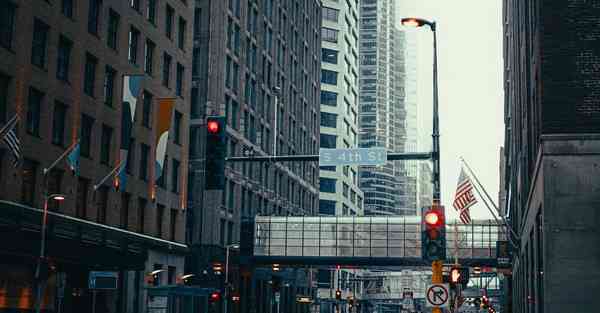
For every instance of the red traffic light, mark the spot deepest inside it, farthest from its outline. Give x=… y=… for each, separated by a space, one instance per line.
x=338 y=294
x=432 y=218
x=215 y=296
x=212 y=127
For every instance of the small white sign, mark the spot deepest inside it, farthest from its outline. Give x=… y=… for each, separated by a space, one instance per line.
x=437 y=295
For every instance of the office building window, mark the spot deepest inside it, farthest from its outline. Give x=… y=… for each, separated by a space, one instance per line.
x=329 y=98
x=124 y=216
x=64 y=58
x=29 y=175
x=327 y=185
x=169 y=19
x=147 y=109
x=39 y=43
x=102 y=204
x=162 y=181
x=105 y=144
x=58 y=123
x=181 y=33
x=134 y=38
x=328 y=141
x=82 y=197
x=141 y=216
x=329 y=56
x=328 y=119
x=130 y=156
x=160 y=212
x=179 y=80
x=91 y=63
x=172 y=225
x=177 y=127
x=109 y=85
x=167 y=59
x=326 y=207
x=94 y=16
x=4 y=84
x=112 y=35
x=197 y=21
x=329 y=34
x=87 y=123
x=33 y=111
x=329 y=77
x=151 y=11
x=149 y=59
x=330 y=14
x=175 y=177
x=7 y=23
x=144 y=153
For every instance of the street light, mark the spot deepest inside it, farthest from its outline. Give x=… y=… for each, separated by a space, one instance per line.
x=419 y=22
x=56 y=197
x=234 y=246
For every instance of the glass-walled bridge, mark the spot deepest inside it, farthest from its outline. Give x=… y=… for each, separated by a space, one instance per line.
x=366 y=241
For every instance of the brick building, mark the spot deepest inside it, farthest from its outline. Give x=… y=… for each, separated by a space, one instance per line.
x=242 y=50
x=61 y=70
x=552 y=117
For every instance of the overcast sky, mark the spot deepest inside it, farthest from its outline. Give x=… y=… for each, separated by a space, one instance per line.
x=471 y=97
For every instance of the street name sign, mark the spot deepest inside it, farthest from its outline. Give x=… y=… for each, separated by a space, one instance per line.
x=358 y=156
x=437 y=295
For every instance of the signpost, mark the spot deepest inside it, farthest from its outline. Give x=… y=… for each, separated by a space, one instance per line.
x=437 y=295
x=358 y=156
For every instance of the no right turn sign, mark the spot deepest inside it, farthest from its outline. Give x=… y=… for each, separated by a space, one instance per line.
x=437 y=295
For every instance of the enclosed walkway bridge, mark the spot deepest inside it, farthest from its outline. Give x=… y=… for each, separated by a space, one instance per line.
x=363 y=241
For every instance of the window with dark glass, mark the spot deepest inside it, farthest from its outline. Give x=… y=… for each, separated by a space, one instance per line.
x=327 y=185
x=329 y=77
x=327 y=168
x=328 y=119
x=58 y=123
x=167 y=59
x=172 y=225
x=105 y=144
x=329 y=34
x=329 y=98
x=7 y=23
x=160 y=212
x=330 y=14
x=4 y=84
x=39 y=43
x=64 y=58
x=151 y=11
x=33 y=111
x=147 y=109
x=329 y=55
x=162 y=181
x=179 y=80
x=29 y=175
x=177 y=127
x=124 y=216
x=94 y=16
x=169 y=19
x=134 y=38
x=222 y=232
x=175 y=177
x=109 y=85
x=112 y=36
x=181 y=33
x=197 y=21
x=66 y=8
x=87 y=123
x=144 y=152
x=328 y=141
x=141 y=216
x=130 y=157
x=83 y=185
x=89 y=83
x=327 y=207
x=102 y=204
x=149 y=59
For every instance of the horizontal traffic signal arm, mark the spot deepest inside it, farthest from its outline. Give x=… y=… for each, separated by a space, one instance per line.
x=315 y=157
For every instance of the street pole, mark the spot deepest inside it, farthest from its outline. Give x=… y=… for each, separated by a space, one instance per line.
x=226 y=279
x=38 y=298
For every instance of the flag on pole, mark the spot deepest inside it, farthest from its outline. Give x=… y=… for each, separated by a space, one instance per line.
x=10 y=139
x=464 y=197
x=73 y=158
x=132 y=86
x=164 y=118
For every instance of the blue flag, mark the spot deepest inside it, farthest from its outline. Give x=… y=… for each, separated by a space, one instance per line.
x=73 y=159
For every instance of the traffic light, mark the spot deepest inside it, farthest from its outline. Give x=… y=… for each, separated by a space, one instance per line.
x=338 y=294
x=215 y=297
x=215 y=152
x=433 y=233
x=276 y=267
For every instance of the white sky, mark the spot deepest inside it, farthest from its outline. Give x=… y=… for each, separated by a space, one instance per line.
x=469 y=34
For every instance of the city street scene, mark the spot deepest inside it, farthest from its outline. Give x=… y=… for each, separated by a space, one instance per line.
x=299 y=156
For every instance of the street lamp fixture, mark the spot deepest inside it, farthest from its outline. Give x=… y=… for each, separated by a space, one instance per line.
x=417 y=22
x=233 y=246
x=57 y=197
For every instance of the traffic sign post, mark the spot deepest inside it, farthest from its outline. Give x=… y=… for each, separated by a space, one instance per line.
x=437 y=295
x=358 y=156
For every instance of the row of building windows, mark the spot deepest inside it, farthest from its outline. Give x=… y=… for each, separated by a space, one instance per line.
x=328 y=185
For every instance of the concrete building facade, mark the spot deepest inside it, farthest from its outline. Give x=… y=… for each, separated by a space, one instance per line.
x=552 y=118
x=62 y=65
x=243 y=51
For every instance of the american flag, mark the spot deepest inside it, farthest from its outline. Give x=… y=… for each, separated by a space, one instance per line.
x=10 y=139
x=464 y=197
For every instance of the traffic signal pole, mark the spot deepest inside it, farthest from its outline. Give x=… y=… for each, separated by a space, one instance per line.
x=436 y=266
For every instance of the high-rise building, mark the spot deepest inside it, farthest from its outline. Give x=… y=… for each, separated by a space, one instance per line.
x=388 y=114
x=258 y=64
x=339 y=192
x=65 y=71
x=552 y=148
